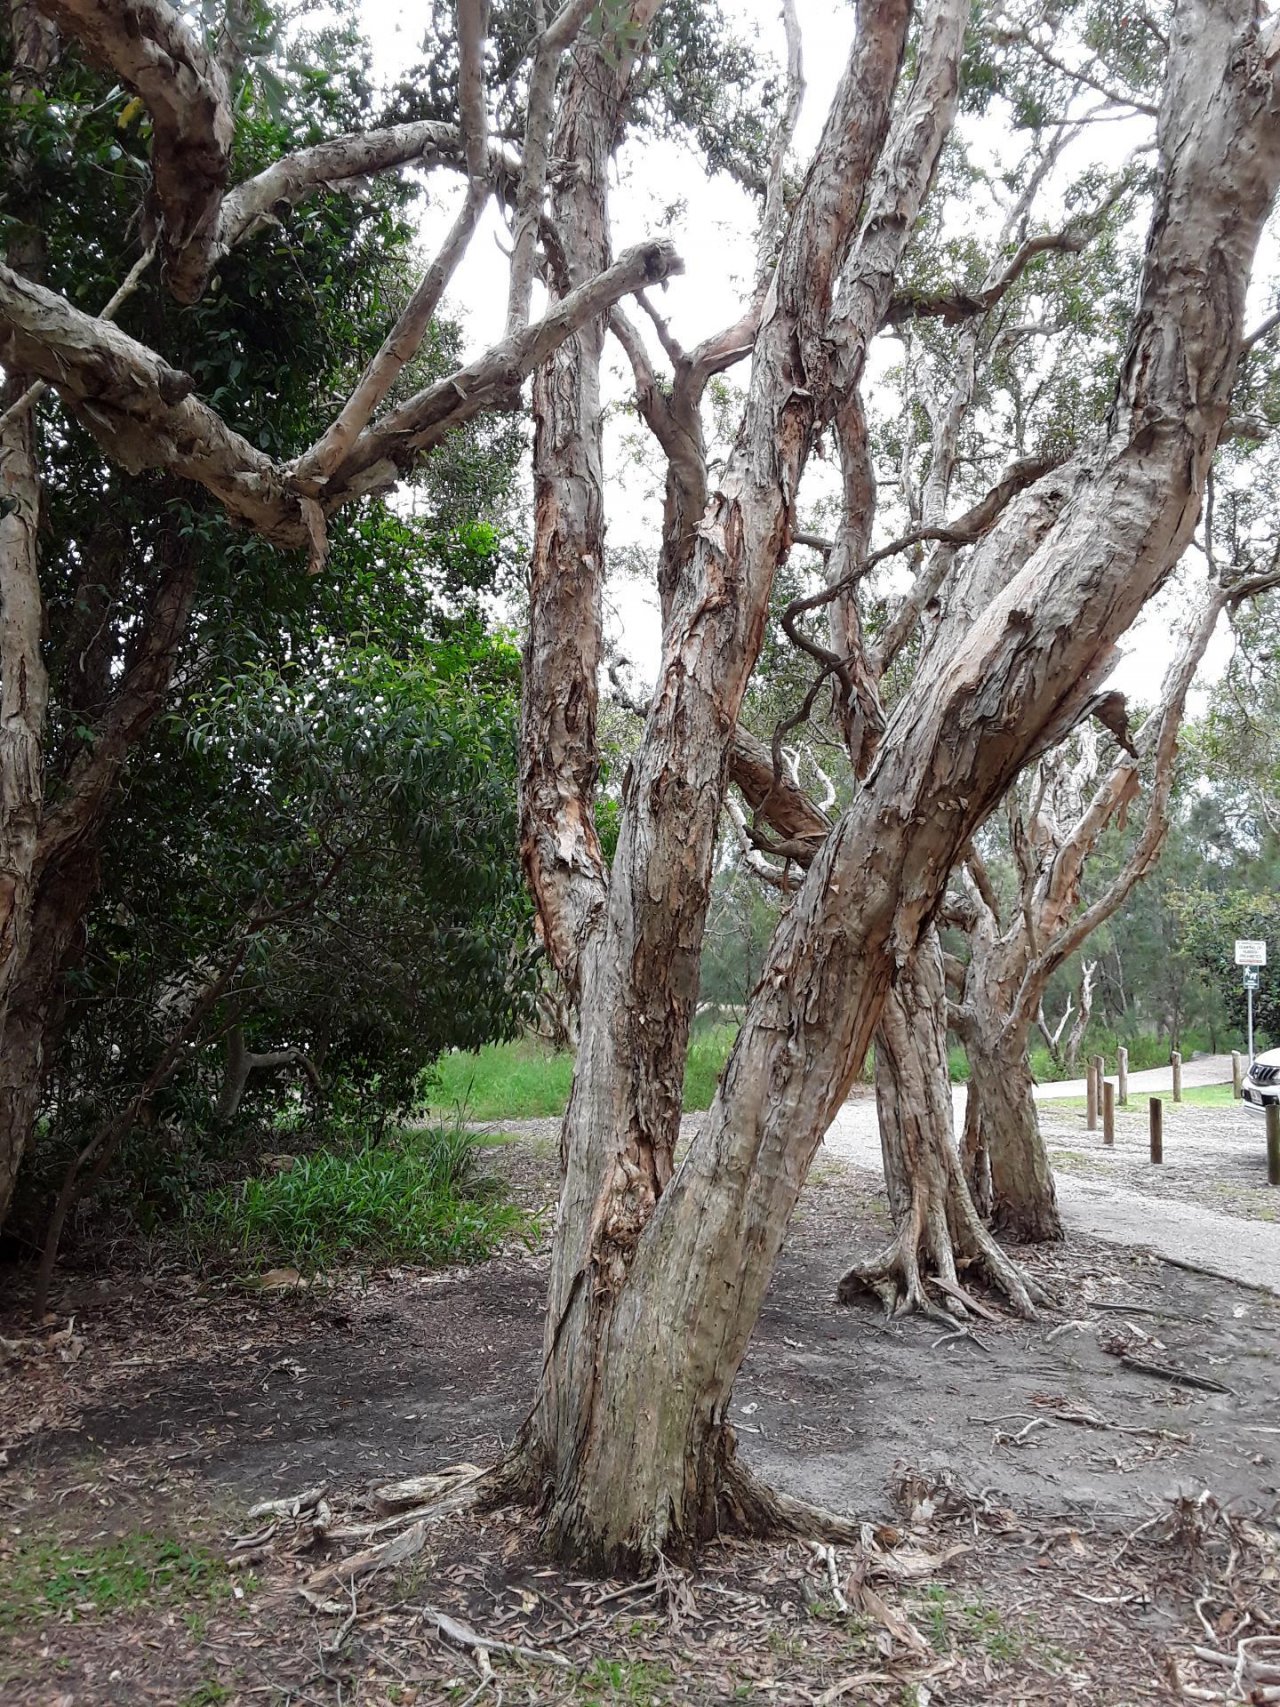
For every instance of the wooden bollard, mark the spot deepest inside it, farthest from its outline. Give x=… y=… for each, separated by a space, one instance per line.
x=1237 y=1073
x=1176 y=1059
x=1157 y=1130
x=1091 y=1096
x=1122 y=1074
x=1108 y=1112
x=1273 y=1143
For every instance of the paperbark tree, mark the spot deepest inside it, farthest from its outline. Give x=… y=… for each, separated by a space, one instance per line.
x=1015 y=951
x=116 y=667
x=937 y=1225
x=652 y=1304
x=658 y=1274
x=24 y=682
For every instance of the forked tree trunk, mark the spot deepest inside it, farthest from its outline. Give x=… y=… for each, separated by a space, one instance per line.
x=939 y=1235
x=652 y=1304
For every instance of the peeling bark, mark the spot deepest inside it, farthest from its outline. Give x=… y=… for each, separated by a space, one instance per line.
x=650 y=1314
x=142 y=411
x=640 y=970
x=939 y=1235
x=151 y=48
x=1010 y=965
x=24 y=682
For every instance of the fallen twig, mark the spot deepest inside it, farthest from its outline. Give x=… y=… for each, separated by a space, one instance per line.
x=827 y=1555
x=462 y=1636
x=1166 y=1372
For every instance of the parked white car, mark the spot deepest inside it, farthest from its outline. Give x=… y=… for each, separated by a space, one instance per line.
x=1262 y=1082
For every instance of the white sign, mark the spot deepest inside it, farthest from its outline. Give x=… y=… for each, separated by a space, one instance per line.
x=1250 y=953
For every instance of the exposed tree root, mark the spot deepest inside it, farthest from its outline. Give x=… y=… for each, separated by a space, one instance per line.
x=748 y=1506
x=935 y=1240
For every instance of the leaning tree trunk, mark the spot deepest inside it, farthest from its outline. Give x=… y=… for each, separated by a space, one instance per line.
x=937 y=1228
x=652 y=1304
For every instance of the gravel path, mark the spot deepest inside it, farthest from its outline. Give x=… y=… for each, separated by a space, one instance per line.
x=1209 y=1205
x=1215 y=1163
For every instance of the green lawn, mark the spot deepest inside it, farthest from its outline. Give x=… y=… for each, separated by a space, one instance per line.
x=526 y=1080
x=1196 y=1096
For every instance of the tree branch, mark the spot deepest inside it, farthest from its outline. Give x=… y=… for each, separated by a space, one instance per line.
x=550 y=46
x=152 y=48
x=404 y=340
x=143 y=413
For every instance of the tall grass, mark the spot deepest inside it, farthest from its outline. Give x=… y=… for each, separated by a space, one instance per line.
x=418 y=1197
x=527 y=1080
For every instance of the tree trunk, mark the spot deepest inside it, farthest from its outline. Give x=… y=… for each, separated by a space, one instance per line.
x=21 y=1075
x=24 y=682
x=235 y=1076
x=631 y=1468
x=937 y=1228
x=29 y=1036
x=1002 y=1135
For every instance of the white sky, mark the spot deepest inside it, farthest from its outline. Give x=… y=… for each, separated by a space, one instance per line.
x=712 y=227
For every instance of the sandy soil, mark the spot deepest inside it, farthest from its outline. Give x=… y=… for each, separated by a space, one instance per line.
x=1092 y=1501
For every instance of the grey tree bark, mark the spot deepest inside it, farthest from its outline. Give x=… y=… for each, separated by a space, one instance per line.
x=652 y=1305
x=24 y=682
x=939 y=1237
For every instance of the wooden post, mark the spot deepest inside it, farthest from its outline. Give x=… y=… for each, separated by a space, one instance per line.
x=1176 y=1058
x=1108 y=1112
x=1273 y=1143
x=1122 y=1073
x=1237 y=1074
x=1091 y=1096
x=1157 y=1130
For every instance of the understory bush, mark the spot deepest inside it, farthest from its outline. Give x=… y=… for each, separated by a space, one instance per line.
x=417 y=1197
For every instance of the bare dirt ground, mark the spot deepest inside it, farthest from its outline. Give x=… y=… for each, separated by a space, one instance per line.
x=1059 y=1511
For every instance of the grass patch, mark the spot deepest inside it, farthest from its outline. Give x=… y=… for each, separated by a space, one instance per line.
x=708 y=1052
x=47 y=1579
x=1194 y=1096
x=948 y=1621
x=609 y=1683
x=416 y=1197
x=526 y=1080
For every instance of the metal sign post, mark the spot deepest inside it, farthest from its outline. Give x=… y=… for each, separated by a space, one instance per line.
x=1251 y=955
x=1250 y=985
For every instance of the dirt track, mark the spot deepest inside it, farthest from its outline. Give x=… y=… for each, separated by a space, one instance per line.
x=186 y=1401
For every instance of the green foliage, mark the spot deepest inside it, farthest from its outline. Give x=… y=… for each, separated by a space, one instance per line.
x=524 y=1080
x=416 y=1198
x=708 y=1051
x=331 y=772
x=46 y=1579
x=1210 y=924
